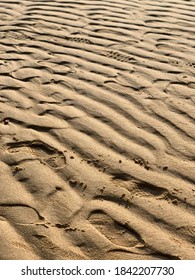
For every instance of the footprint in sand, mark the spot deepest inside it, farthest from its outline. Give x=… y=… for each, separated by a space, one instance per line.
x=46 y=154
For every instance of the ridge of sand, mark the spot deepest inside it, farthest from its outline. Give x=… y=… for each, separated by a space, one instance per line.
x=97 y=110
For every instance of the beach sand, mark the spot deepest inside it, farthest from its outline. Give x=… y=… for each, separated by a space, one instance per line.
x=97 y=110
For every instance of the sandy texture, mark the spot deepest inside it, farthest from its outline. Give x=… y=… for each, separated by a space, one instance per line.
x=97 y=110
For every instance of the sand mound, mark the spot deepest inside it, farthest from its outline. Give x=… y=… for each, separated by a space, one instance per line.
x=97 y=129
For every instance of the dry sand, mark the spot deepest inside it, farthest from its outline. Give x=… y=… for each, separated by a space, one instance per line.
x=97 y=110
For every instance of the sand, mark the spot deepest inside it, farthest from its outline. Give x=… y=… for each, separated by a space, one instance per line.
x=97 y=110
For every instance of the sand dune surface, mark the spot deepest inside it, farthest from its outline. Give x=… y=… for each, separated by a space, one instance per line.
x=97 y=131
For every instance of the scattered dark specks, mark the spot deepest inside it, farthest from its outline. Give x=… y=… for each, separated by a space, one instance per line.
x=147 y=167
x=143 y=163
x=165 y=168
x=175 y=201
